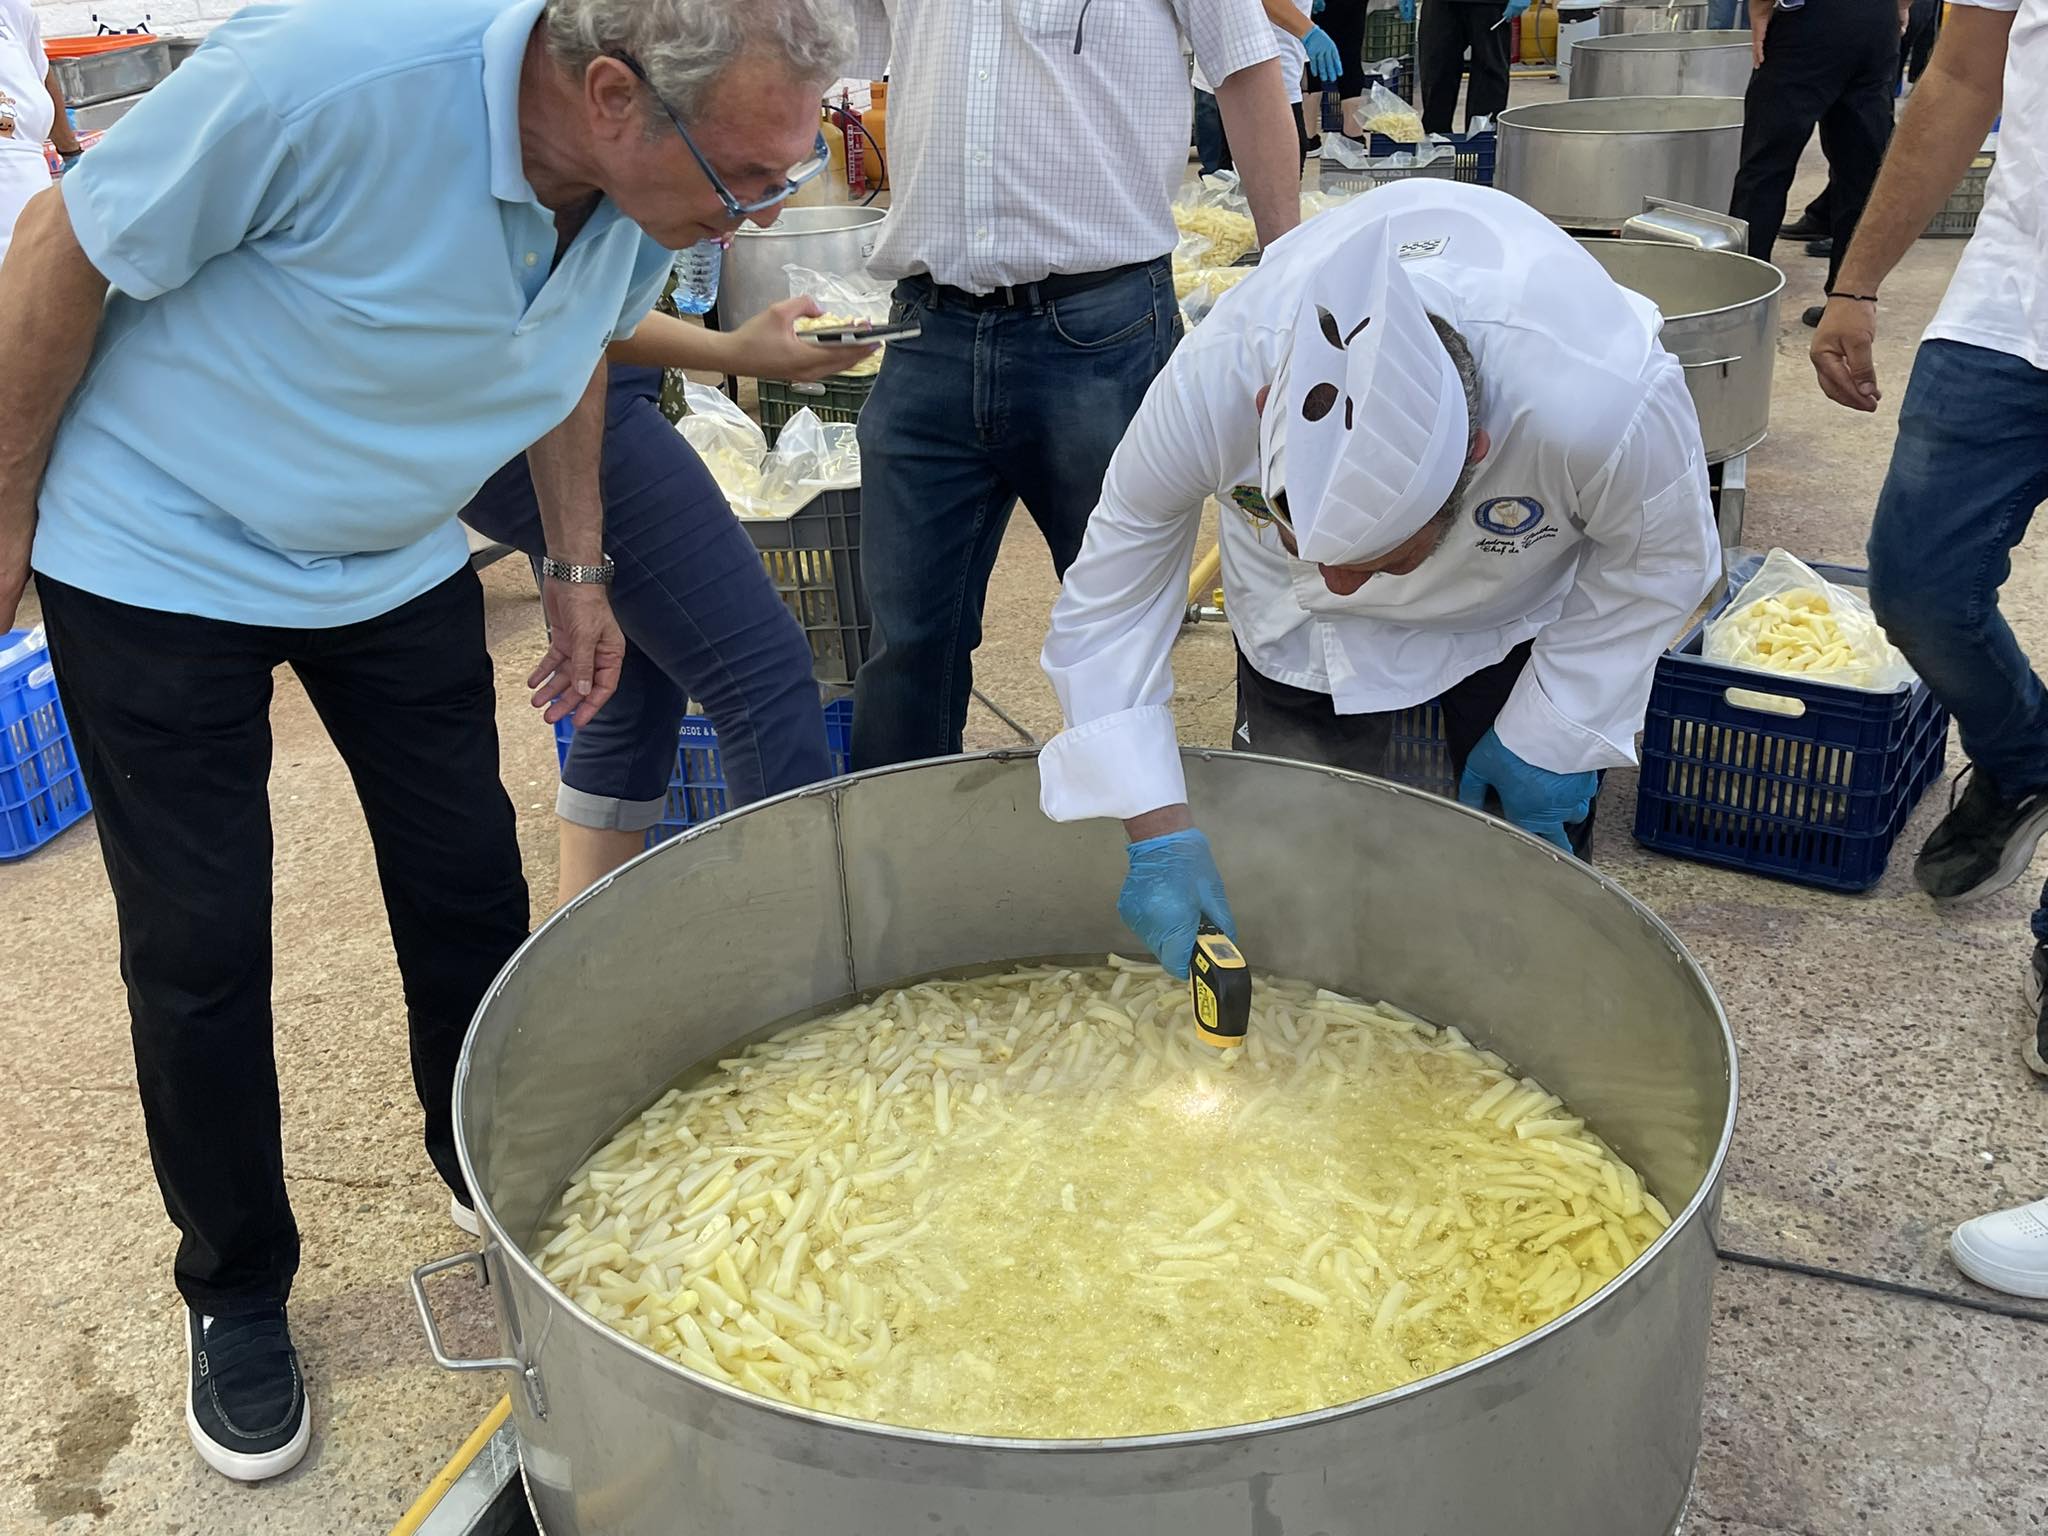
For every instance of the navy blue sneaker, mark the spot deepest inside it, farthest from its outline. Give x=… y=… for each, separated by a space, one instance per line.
x=245 y=1405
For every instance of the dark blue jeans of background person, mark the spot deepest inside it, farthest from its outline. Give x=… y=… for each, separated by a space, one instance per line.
x=990 y=406
x=701 y=620
x=1968 y=469
x=1212 y=148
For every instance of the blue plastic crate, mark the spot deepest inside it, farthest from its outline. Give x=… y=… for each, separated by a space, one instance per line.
x=1818 y=797
x=41 y=789
x=1475 y=154
x=696 y=790
x=1417 y=755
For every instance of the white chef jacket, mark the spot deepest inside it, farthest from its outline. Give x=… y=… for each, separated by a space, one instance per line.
x=1588 y=526
x=1293 y=58
x=1013 y=156
x=1999 y=295
x=26 y=113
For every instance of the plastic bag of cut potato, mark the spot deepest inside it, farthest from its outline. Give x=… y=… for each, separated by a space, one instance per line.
x=726 y=438
x=1385 y=113
x=1788 y=619
x=1198 y=288
x=1215 y=222
x=809 y=456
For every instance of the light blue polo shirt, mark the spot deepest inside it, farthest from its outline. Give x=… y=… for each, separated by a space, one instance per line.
x=333 y=317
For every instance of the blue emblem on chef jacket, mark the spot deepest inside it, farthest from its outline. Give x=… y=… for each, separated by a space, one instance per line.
x=1511 y=524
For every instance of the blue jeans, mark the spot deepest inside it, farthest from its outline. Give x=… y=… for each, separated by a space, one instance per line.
x=987 y=407
x=1968 y=469
x=1211 y=147
x=702 y=621
x=1724 y=14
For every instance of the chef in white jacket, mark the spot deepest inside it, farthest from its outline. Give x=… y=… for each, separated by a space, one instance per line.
x=1454 y=464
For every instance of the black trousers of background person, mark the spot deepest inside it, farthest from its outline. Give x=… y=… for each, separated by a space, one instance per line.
x=171 y=716
x=1831 y=64
x=1444 y=30
x=1280 y=720
x=1344 y=20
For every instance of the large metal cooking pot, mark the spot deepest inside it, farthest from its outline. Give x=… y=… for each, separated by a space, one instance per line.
x=834 y=240
x=1587 y=1427
x=1720 y=321
x=1589 y=164
x=1619 y=16
x=1662 y=64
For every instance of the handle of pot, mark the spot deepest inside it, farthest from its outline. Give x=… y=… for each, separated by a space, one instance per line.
x=1711 y=362
x=442 y=1358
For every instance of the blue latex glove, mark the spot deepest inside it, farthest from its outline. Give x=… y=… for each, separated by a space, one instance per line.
x=1408 y=11
x=1172 y=887
x=1534 y=799
x=1323 y=57
x=1514 y=9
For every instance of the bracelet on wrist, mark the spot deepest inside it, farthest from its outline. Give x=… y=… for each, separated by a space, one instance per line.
x=1860 y=298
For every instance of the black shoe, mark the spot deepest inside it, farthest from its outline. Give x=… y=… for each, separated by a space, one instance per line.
x=2036 y=1049
x=245 y=1405
x=1984 y=843
x=1821 y=248
x=1803 y=228
x=1810 y=316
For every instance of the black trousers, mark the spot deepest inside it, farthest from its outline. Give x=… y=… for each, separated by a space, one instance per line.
x=1344 y=20
x=1280 y=720
x=1831 y=65
x=171 y=716
x=1445 y=29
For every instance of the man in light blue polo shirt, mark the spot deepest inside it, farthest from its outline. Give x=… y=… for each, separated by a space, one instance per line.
x=312 y=291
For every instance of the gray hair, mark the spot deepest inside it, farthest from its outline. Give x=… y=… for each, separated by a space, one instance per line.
x=685 y=45
x=1468 y=375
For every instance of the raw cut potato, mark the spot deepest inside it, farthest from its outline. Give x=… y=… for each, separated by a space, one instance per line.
x=1036 y=1205
x=1230 y=234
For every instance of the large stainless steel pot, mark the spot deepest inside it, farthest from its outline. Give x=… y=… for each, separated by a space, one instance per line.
x=1588 y=1427
x=1619 y=16
x=834 y=240
x=1589 y=164
x=1662 y=64
x=1720 y=321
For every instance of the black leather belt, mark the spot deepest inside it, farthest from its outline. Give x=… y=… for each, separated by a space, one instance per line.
x=1060 y=285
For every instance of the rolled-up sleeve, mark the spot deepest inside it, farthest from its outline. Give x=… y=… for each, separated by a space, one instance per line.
x=1652 y=552
x=1228 y=35
x=1122 y=602
x=200 y=166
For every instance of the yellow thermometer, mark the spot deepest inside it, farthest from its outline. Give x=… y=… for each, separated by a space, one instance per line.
x=1221 y=985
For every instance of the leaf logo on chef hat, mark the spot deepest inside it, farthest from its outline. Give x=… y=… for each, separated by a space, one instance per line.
x=1322 y=398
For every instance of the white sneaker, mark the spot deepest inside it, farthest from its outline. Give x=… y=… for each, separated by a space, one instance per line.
x=464 y=1216
x=2007 y=1250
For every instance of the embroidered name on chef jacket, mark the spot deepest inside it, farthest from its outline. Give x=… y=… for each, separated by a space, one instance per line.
x=1511 y=524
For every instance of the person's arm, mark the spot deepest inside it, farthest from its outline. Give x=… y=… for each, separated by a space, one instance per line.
x=1259 y=122
x=1652 y=552
x=1235 y=47
x=1950 y=112
x=1108 y=653
x=50 y=299
x=1759 y=23
x=61 y=137
x=585 y=647
x=766 y=347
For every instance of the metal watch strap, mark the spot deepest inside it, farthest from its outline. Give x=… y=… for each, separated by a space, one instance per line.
x=581 y=575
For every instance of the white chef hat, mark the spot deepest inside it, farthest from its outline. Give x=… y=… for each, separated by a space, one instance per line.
x=1365 y=428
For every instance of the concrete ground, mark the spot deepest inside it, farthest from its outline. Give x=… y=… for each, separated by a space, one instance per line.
x=1884 y=1101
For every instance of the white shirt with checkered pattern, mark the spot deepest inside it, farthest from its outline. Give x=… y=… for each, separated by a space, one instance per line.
x=1032 y=137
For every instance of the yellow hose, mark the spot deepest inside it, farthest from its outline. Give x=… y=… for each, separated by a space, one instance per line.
x=1203 y=581
x=444 y=1479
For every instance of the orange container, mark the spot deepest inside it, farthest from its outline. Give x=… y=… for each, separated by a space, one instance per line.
x=87 y=47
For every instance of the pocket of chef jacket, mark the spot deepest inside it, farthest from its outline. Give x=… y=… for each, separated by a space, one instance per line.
x=1063 y=21
x=1677 y=531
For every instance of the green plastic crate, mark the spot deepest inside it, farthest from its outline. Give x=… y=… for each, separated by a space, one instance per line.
x=838 y=398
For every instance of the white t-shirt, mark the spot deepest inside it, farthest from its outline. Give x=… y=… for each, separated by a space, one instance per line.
x=25 y=111
x=1999 y=296
x=1293 y=60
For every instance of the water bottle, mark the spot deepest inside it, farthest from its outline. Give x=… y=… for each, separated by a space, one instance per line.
x=697 y=277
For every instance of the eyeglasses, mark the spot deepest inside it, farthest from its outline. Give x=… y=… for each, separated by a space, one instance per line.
x=736 y=210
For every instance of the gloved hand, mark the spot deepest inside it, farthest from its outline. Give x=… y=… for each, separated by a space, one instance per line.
x=1514 y=9
x=1323 y=57
x=1534 y=799
x=1408 y=11
x=1172 y=887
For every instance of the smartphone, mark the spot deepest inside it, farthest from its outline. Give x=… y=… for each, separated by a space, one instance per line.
x=863 y=335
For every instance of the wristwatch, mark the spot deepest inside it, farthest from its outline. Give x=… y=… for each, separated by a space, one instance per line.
x=578 y=575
